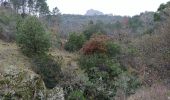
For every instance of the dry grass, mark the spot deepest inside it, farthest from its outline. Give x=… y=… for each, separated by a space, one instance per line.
x=10 y=55
x=156 y=92
x=68 y=58
x=70 y=68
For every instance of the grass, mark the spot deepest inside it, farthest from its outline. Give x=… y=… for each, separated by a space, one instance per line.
x=72 y=73
x=10 y=55
x=155 y=92
x=69 y=59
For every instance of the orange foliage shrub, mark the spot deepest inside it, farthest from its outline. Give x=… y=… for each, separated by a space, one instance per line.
x=95 y=45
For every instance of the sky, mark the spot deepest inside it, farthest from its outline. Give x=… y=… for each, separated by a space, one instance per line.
x=115 y=7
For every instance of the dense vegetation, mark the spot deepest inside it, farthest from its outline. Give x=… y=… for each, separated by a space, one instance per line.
x=111 y=58
x=34 y=42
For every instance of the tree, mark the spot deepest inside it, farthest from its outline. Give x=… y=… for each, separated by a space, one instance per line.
x=43 y=7
x=56 y=11
x=31 y=6
x=135 y=23
x=162 y=12
x=16 y=4
x=32 y=37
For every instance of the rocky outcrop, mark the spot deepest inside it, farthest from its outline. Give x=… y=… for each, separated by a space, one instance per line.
x=23 y=84
x=92 y=12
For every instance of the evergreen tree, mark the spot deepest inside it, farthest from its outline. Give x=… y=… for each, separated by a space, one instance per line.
x=32 y=37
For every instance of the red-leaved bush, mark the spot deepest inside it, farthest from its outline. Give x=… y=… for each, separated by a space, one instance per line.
x=95 y=45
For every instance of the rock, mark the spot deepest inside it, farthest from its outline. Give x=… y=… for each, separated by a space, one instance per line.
x=23 y=84
x=92 y=12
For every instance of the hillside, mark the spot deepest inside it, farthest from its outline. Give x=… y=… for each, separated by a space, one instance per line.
x=10 y=55
x=78 y=23
x=16 y=73
x=52 y=56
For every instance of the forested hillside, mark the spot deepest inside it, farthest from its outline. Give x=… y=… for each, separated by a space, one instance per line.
x=47 y=55
x=112 y=24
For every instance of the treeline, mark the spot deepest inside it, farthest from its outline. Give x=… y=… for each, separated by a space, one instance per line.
x=112 y=25
x=31 y=7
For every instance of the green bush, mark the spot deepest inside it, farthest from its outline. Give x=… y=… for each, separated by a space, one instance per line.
x=92 y=29
x=48 y=68
x=4 y=19
x=101 y=70
x=106 y=82
x=95 y=92
x=76 y=95
x=32 y=37
x=127 y=82
x=115 y=69
x=100 y=66
x=112 y=49
x=106 y=74
x=1 y=29
x=157 y=17
x=149 y=31
x=90 y=61
x=75 y=42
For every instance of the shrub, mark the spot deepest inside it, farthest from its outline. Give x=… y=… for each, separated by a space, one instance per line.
x=1 y=29
x=48 y=68
x=100 y=66
x=90 y=61
x=75 y=42
x=115 y=69
x=149 y=31
x=100 y=44
x=99 y=60
x=32 y=37
x=101 y=70
x=127 y=82
x=4 y=19
x=93 y=29
x=95 y=45
x=112 y=49
x=153 y=54
x=157 y=17
x=76 y=95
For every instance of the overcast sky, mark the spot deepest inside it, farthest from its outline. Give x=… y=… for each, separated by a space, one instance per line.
x=115 y=7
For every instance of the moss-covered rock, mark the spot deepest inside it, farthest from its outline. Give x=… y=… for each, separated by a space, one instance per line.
x=23 y=84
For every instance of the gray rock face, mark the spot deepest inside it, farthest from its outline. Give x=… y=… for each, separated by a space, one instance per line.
x=92 y=12
x=23 y=84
